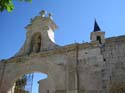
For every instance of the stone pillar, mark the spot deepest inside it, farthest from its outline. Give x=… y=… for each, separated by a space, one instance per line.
x=72 y=79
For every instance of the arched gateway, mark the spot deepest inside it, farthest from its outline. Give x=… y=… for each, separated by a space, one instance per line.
x=75 y=68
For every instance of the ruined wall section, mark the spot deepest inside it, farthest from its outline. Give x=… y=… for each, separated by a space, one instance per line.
x=114 y=57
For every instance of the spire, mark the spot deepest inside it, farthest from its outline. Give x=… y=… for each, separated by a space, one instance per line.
x=96 y=27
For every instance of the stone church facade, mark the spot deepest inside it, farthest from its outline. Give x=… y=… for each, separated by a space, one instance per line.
x=94 y=67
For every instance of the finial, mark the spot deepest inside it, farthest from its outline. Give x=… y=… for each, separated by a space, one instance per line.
x=42 y=13
x=50 y=15
x=96 y=27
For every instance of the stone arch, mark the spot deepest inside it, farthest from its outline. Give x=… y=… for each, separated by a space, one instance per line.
x=14 y=70
x=26 y=82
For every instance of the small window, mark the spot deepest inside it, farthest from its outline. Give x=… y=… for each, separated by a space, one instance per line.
x=98 y=38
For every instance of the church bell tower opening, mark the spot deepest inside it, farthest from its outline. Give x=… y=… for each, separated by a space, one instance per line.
x=98 y=38
x=36 y=42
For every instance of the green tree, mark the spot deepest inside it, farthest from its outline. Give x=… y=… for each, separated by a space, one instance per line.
x=8 y=4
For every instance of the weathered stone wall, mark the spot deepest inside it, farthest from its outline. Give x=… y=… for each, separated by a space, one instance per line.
x=90 y=64
x=17 y=67
x=102 y=69
x=76 y=68
x=114 y=58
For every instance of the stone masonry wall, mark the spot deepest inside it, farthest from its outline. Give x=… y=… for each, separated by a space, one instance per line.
x=75 y=68
x=114 y=69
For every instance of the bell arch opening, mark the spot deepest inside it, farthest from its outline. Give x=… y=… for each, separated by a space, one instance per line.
x=36 y=42
x=28 y=83
x=98 y=38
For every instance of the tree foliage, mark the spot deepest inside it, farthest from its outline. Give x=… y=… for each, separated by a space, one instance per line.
x=8 y=4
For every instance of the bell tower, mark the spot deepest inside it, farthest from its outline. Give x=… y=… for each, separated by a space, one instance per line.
x=97 y=34
x=40 y=34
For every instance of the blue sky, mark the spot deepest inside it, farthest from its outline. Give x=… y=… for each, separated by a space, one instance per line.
x=75 y=19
